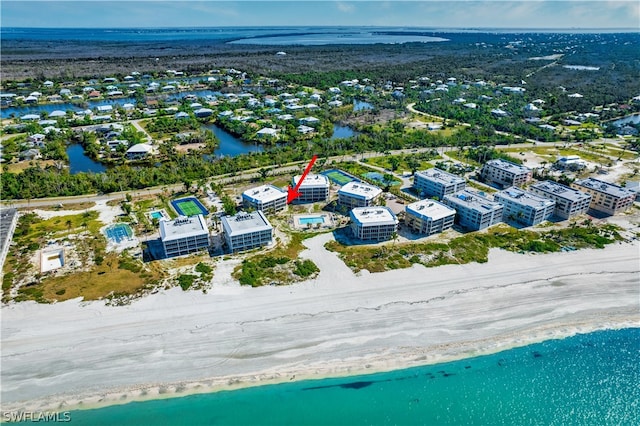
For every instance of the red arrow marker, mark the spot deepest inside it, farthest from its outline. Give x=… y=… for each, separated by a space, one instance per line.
x=293 y=193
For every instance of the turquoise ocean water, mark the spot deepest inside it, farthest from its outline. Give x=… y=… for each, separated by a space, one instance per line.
x=588 y=379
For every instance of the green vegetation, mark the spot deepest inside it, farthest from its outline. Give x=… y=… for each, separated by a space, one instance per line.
x=474 y=247
x=405 y=162
x=103 y=275
x=278 y=267
x=185 y=281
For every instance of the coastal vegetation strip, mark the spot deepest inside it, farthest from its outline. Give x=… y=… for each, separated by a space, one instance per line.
x=278 y=267
x=474 y=247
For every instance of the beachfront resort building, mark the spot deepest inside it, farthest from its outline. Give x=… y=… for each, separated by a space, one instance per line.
x=245 y=231
x=184 y=235
x=373 y=223
x=505 y=173
x=437 y=183
x=266 y=198
x=429 y=217
x=358 y=194
x=313 y=188
x=606 y=197
x=569 y=201
x=524 y=207
x=473 y=211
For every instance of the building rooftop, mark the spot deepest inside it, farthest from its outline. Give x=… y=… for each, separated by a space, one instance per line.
x=429 y=209
x=182 y=227
x=524 y=198
x=361 y=190
x=244 y=223
x=440 y=176
x=508 y=166
x=606 y=187
x=560 y=190
x=373 y=216
x=312 y=181
x=264 y=194
x=473 y=200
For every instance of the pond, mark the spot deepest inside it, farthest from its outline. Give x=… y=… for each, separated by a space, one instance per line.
x=342 y=132
x=632 y=119
x=230 y=145
x=79 y=162
x=361 y=105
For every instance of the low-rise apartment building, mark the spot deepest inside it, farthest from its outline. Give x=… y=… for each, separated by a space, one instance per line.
x=429 y=217
x=313 y=188
x=606 y=197
x=569 y=201
x=505 y=173
x=266 y=198
x=358 y=194
x=373 y=223
x=474 y=211
x=245 y=231
x=184 y=235
x=524 y=207
x=437 y=183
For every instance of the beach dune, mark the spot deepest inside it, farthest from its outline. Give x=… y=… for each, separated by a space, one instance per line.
x=86 y=354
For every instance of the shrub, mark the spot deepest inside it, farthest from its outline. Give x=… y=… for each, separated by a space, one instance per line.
x=305 y=268
x=185 y=281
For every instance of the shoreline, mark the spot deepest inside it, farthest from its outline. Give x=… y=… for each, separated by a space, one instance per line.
x=176 y=343
x=153 y=392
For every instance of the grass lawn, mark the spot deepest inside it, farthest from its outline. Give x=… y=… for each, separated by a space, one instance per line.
x=20 y=166
x=99 y=282
x=385 y=162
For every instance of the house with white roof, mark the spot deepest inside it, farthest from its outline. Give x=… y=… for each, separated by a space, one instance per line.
x=139 y=151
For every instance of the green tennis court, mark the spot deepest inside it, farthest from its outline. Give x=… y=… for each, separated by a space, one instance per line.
x=338 y=177
x=189 y=208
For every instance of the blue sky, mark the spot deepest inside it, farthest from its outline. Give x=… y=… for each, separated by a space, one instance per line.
x=216 y=13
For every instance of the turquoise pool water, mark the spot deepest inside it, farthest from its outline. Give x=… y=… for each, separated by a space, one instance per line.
x=311 y=220
x=587 y=379
x=156 y=215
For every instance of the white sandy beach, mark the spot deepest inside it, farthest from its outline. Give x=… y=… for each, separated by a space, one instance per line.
x=86 y=354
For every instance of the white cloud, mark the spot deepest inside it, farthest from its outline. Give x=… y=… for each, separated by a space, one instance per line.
x=345 y=7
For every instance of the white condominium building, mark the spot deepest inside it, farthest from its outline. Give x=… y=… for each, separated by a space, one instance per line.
x=569 y=201
x=606 y=197
x=245 y=231
x=474 y=211
x=429 y=217
x=437 y=183
x=266 y=198
x=358 y=194
x=373 y=223
x=505 y=173
x=184 y=235
x=524 y=207
x=313 y=188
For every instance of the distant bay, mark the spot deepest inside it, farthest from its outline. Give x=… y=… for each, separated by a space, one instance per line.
x=585 y=379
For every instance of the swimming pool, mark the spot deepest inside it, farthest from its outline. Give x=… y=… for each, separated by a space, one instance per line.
x=311 y=220
x=156 y=215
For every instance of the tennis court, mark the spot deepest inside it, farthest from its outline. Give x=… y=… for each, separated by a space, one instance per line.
x=338 y=176
x=119 y=232
x=189 y=207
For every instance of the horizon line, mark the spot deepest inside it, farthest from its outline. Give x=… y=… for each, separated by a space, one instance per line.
x=321 y=26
